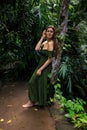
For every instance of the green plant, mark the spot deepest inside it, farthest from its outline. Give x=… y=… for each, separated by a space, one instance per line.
x=76 y=113
x=17 y=26
x=66 y=74
x=70 y=74
x=74 y=109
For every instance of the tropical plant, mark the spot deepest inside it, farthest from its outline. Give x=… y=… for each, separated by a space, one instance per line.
x=17 y=25
x=74 y=109
x=72 y=70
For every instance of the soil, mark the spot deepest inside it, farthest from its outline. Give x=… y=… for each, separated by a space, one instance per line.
x=13 y=117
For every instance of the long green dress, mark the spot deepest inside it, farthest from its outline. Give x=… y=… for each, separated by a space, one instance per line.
x=37 y=90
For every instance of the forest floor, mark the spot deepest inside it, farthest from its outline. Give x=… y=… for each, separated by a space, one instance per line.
x=14 y=117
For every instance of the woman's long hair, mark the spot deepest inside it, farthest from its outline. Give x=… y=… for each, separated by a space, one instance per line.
x=57 y=44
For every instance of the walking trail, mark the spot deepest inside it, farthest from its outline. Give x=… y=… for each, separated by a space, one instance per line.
x=14 y=117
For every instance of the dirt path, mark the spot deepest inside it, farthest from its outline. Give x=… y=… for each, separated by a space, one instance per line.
x=14 y=117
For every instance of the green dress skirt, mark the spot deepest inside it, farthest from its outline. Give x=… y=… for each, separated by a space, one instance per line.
x=37 y=85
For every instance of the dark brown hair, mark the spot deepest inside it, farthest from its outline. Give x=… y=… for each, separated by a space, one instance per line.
x=57 y=46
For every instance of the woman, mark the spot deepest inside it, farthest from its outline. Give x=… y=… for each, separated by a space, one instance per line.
x=38 y=83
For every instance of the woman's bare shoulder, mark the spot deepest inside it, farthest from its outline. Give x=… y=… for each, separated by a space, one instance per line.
x=51 y=43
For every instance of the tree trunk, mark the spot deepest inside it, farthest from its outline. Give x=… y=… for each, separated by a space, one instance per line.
x=63 y=21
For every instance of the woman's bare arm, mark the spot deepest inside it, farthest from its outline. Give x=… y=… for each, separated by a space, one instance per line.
x=40 y=41
x=39 y=44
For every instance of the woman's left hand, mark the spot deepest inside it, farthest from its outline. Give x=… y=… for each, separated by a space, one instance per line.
x=39 y=72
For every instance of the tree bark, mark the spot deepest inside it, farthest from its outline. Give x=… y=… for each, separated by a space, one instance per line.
x=62 y=29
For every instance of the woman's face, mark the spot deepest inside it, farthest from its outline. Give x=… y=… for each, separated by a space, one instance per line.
x=49 y=33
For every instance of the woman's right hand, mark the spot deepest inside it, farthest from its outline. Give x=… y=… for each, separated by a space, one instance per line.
x=39 y=72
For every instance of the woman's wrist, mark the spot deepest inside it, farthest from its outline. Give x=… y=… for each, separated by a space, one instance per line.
x=41 y=69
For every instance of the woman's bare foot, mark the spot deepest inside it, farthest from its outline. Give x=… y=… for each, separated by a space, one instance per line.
x=28 y=104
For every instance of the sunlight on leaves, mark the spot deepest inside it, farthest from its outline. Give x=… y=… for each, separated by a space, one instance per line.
x=9 y=121
x=9 y=105
x=2 y=120
x=36 y=109
x=75 y=2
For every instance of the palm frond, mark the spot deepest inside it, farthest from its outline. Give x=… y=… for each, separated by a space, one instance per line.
x=63 y=70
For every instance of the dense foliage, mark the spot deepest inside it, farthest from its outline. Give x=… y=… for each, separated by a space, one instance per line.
x=17 y=34
x=73 y=67
x=74 y=110
x=21 y=24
